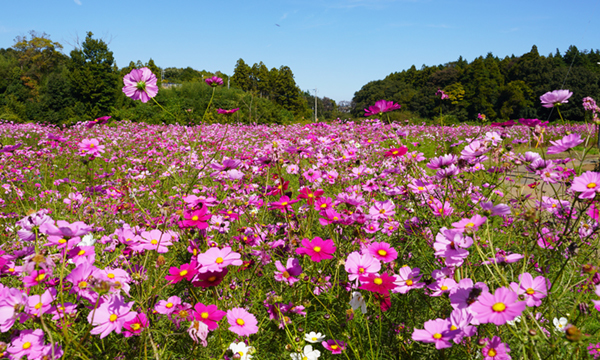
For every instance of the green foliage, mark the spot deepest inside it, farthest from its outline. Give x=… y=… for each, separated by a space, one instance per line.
x=502 y=89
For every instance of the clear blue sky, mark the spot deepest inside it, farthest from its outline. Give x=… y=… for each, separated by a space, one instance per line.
x=335 y=46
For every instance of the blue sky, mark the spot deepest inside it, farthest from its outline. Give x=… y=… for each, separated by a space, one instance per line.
x=335 y=46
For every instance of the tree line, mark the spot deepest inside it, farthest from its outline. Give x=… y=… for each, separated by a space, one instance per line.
x=502 y=89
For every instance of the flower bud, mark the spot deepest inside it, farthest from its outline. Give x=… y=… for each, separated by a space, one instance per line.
x=573 y=333
x=160 y=261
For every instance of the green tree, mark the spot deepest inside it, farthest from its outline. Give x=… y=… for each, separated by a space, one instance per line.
x=94 y=79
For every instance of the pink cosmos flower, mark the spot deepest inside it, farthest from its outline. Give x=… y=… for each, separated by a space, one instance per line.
x=140 y=84
x=588 y=184
x=407 y=279
x=357 y=265
x=155 y=240
x=335 y=346
x=11 y=302
x=198 y=331
x=135 y=326
x=186 y=271
x=227 y=112
x=564 y=144
x=317 y=248
x=29 y=344
x=310 y=195
x=495 y=349
x=90 y=147
x=110 y=315
x=214 y=81
x=436 y=331
x=383 y=251
x=288 y=273
x=215 y=259
x=242 y=322
x=498 y=308
x=210 y=315
x=382 y=210
x=442 y=94
x=65 y=229
x=381 y=107
x=555 y=98
x=470 y=224
x=381 y=284
x=284 y=204
x=460 y=319
x=534 y=290
x=440 y=209
x=41 y=304
x=98 y=121
x=167 y=307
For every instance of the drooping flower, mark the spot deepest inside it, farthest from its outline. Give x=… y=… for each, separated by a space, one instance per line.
x=498 y=308
x=242 y=322
x=242 y=350
x=555 y=98
x=227 y=112
x=198 y=331
x=317 y=248
x=381 y=107
x=358 y=302
x=140 y=84
x=564 y=144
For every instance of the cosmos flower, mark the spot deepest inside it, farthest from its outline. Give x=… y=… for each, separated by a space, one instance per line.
x=210 y=315
x=227 y=112
x=436 y=331
x=498 y=308
x=214 y=81
x=242 y=322
x=588 y=184
x=564 y=144
x=317 y=248
x=555 y=98
x=381 y=107
x=110 y=315
x=495 y=349
x=140 y=84
x=534 y=290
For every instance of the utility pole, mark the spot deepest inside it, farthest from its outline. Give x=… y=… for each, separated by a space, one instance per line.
x=316 y=105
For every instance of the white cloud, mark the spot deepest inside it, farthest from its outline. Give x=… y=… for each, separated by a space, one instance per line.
x=78 y=2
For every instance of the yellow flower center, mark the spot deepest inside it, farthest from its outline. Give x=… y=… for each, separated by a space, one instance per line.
x=62 y=241
x=240 y=322
x=27 y=345
x=470 y=225
x=317 y=249
x=285 y=274
x=81 y=252
x=82 y=284
x=310 y=195
x=382 y=211
x=334 y=347
x=323 y=206
x=204 y=315
x=38 y=306
x=219 y=260
x=113 y=318
x=110 y=276
x=195 y=218
x=409 y=282
x=530 y=291
x=499 y=307
x=91 y=145
x=135 y=326
x=491 y=352
x=378 y=281
x=382 y=252
x=453 y=327
x=444 y=288
x=154 y=242
x=183 y=273
x=437 y=336
x=284 y=203
x=420 y=188
x=169 y=305
x=591 y=185
x=361 y=270
x=40 y=277
x=395 y=152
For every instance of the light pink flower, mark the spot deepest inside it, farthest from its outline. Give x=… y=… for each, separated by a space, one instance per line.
x=242 y=322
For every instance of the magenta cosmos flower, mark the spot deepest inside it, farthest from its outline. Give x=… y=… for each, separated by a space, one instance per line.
x=383 y=251
x=90 y=147
x=227 y=112
x=242 y=322
x=555 y=98
x=495 y=349
x=436 y=331
x=140 y=84
x=30 y=344
x=210 y=315
x=396 y=152
x=381 y=107
x=564 y=144
x=335 y=346
x=317 y=248
x=196 y=218
x=588 y=184
x=288 y=273
x=381 y=284
x=534 y=290
x=187 y=271
x=135 y=326
x=214 y=81
x=499 y=308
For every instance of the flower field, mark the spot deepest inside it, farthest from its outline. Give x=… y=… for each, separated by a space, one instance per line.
x=346 y=240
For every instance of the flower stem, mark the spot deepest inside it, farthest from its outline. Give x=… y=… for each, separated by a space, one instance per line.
x=165 y=110
x=208 y=107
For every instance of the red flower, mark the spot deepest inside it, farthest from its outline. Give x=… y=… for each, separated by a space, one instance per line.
x=227 y=112
x=381 y=284
x=396 y=152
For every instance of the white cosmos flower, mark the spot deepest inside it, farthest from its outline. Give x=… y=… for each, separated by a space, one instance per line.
x=358 y=301
x=242 y=349
x=313 y=337
x=560 y=324
x=307 y=354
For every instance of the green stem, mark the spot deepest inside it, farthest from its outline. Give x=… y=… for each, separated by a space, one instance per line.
x=209 y=102
x=165 y=110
